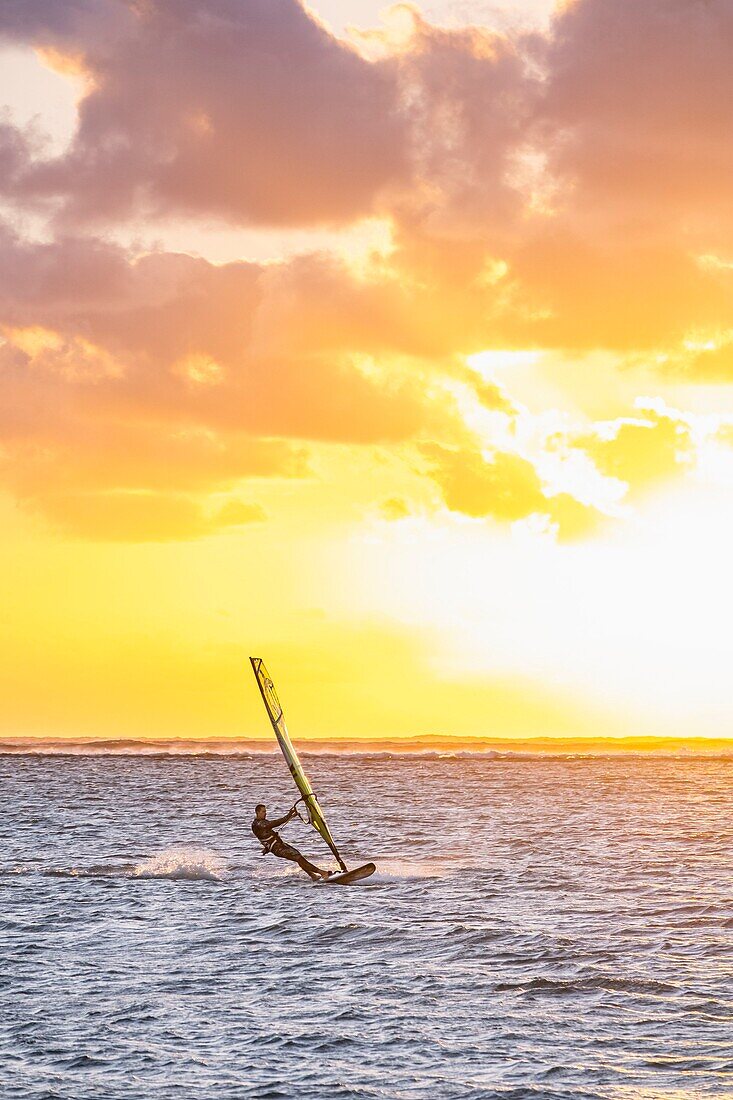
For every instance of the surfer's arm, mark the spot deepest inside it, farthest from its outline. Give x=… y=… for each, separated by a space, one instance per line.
x=281 y=820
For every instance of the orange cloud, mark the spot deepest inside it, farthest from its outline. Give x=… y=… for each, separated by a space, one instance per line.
x=170 y=375
x=229 y=347
x=573 y=293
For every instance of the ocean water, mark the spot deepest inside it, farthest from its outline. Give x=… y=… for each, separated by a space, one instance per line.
x=538 y=927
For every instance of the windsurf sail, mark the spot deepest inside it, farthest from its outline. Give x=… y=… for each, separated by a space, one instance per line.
x=275 y=713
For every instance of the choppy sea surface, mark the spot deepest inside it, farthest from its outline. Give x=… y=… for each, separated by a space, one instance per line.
x=538 y=927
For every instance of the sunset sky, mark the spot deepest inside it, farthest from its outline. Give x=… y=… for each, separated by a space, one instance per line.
x=393 y=345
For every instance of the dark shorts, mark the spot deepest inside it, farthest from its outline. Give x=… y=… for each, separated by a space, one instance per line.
x=285 y=851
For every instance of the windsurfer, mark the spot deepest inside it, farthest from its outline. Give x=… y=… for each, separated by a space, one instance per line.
x=273 y=844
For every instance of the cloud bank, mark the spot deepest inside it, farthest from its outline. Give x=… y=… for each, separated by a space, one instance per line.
x=566 y=191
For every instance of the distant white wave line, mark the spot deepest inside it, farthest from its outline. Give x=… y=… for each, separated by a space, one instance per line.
x=10 y=748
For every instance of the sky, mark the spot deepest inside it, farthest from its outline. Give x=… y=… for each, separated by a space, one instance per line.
x=393 y=345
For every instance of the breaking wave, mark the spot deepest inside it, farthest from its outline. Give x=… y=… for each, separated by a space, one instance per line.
x=179 y=862
x=191 y=864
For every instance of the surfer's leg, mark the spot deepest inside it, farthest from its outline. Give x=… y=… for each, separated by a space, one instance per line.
x=286 y=851
x=310 y=868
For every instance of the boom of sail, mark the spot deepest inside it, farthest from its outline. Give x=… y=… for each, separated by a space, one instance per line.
x=275 y=713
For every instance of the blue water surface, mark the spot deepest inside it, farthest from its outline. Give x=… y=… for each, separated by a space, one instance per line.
x=540 y=927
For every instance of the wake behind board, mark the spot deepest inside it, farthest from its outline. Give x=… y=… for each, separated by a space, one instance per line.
x=346 y=878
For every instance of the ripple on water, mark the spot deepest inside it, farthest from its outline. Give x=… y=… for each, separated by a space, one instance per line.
x=536 y=928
